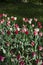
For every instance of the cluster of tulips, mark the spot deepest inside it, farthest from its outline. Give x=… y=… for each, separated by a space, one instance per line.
x=20 y=45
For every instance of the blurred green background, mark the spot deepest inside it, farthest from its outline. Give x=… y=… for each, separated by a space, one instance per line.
x=23 y=8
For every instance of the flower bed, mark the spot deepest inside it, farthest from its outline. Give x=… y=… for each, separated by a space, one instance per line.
x=20 y=45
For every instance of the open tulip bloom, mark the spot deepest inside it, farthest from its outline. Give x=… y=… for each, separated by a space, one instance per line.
x=20 y=44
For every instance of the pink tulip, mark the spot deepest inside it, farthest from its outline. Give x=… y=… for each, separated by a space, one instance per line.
x=35 y=33
x=32 y=43
x=18 y=57
x=40 y=48
x=40 y=34
x=22 y=62
x=2 y=58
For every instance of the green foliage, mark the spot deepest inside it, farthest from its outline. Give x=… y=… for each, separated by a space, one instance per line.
x=20 y=44
x=15 y=1
x=12 y=1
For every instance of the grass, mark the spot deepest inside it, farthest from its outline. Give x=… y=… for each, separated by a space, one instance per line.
x=29 y=10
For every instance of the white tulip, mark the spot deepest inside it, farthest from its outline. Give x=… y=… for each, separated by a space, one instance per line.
x=15 y=18
x=36 y=29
